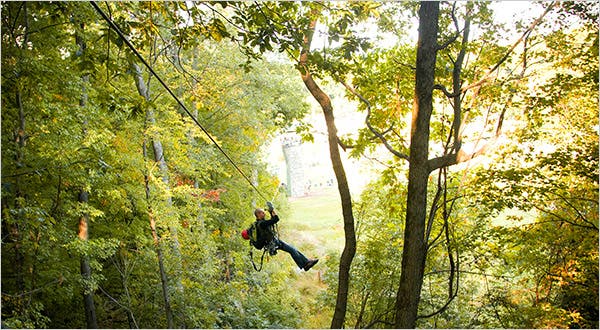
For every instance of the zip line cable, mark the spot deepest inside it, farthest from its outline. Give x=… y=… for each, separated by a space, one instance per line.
x=130 y=45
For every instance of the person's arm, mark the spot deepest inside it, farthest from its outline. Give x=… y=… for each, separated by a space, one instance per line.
x=274 y=219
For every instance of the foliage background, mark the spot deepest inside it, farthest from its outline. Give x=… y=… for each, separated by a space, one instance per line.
x=523 y=227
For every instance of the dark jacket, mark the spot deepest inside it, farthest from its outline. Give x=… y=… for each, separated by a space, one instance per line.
x=266 y=231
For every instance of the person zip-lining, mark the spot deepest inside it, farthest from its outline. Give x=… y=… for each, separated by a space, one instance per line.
x=262 y=235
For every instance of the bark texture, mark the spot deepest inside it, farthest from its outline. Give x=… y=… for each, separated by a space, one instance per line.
x=415 y=246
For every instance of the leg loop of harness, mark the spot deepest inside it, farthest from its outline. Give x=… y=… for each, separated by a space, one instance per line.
x=258 y=269
x=271 y=247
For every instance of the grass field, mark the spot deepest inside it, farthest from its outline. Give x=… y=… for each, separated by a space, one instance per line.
x=315 y=223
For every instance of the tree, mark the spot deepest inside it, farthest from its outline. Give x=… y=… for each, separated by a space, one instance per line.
x=349 y=251
x=96 y=149
x=291 y=27
x=263 y=28
x=84 y=220
x=415 y=245
x=57 y=167
x=75 y=127
x=455 y=45
x=549 y=169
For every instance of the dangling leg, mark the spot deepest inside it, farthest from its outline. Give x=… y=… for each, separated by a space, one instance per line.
x=298 y=257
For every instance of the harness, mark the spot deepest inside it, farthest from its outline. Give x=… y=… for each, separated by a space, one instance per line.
x=256 y=240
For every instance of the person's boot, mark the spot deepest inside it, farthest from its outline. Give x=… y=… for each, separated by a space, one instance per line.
x=310 y=263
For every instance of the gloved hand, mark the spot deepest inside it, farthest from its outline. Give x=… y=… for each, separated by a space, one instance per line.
x=270 y=206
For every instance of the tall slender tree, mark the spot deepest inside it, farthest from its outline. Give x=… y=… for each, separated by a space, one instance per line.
x=415 y=246
x=324 y=100
x=84 y=219
x=157 y=159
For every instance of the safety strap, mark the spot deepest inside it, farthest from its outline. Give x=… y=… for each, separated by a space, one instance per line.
x=258 y=269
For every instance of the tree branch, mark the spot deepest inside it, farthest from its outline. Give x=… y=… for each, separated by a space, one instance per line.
x=455 y=36
x=445 y=91
x=368 y=121
x=533 y=25
x=460 y=156
x=372 y=323
x=579 y=214
x=470 y=273
x=457 y=121
x=433 y=211
x=562 y=219
x=22 y=294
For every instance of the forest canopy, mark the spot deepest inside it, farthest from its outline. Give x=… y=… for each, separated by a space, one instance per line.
x=123 y=201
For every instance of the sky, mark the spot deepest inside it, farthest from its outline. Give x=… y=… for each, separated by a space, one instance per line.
x=505 y=11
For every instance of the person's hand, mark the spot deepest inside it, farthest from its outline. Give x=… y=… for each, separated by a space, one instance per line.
x=270 y=206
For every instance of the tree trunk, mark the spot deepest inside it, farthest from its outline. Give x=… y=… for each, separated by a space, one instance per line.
x=338 y=168
x=363 y=306
x=159 y=254
x=159 y=158
x=349 y=232
x=15 y=231
x=86 y=271
x=20 y=139
x=415 y=247
x=199 y=217
x=84 y=221
x=121 y=264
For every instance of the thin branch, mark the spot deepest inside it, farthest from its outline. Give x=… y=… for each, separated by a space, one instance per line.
x=371 y=139
x=579 y=214
x=411 y=67
x=533 y=25
x=368 y=122
x=215 y=11
x=453 y=295
x=456 y=82
x=562 y=219
x=31 y=32
x=372 y=323
x=460 y=156
x=287 y=50
x=445 y=91
x=454 y=271
x=128 y=309
x=376 y=161
x=14 y=25
x=59 y=280
x=440 y=310
x=47 y=169
x=456 y=34
x=433 y=210
x=343 y=145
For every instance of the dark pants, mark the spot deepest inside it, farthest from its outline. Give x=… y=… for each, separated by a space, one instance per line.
x=299 y=258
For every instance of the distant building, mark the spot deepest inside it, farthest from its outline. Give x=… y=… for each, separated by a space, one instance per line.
x=292 y=151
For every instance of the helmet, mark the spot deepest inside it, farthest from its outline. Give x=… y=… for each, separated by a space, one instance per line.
x=245 y=234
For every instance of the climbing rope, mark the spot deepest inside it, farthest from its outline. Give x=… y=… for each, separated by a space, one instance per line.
x=130 y=45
